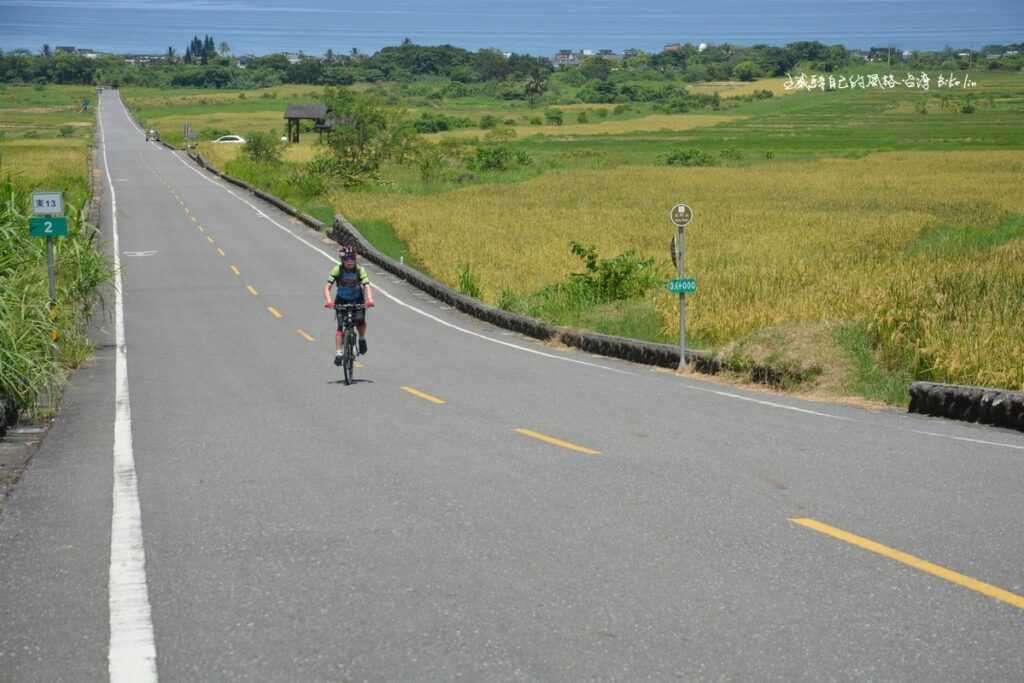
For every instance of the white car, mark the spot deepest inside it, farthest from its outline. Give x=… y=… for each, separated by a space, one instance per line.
x=234 y=139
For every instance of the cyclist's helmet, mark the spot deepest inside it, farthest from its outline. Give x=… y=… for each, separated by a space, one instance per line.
x=347 y=252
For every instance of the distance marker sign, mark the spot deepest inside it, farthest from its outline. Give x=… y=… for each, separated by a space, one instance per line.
x=685 y=285
x=48 y=226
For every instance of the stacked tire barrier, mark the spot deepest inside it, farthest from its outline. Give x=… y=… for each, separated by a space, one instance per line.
x=970 y=404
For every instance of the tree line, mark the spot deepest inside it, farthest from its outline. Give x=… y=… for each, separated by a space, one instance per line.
x=204 y=64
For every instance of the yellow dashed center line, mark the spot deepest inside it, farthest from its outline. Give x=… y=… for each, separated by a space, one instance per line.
x=194 y=219
x=252 y=290
x=234 y=269
x=557 y=442
x=201 y=228
x=187 y=210
x=915 y=562
x=305 y=335
x=220 y=251
x=423 y=395
x=209 y=239
x=274 y=312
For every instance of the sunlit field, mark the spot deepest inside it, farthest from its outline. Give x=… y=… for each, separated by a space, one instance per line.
x=918 y=246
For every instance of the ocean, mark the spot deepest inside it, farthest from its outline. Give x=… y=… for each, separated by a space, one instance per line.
x=523 y=26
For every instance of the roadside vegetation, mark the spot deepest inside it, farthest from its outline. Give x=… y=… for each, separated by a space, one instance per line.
x=40 y=344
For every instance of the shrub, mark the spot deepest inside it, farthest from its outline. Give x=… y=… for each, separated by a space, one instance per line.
x=731 y=154
x=602 y=113
x=582 y=117
x=488 y=121
x=554 y=117
x=262 y=147
x=624 y=277
x=66 y=131
x=687 y=157
x=536 y=121
x=492 y=158
x=437 y=123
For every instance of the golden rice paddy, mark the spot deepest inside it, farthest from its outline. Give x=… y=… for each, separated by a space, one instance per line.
x=810 y=241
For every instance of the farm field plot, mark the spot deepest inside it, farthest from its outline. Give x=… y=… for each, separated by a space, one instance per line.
x=43 y=130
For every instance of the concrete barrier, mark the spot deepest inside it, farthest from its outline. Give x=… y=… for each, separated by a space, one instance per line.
x=969 y=404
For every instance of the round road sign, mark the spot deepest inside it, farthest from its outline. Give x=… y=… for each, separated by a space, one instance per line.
x=681 y=215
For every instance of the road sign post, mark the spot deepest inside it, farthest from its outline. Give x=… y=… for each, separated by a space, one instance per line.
x=48 y=221
x=681 y=216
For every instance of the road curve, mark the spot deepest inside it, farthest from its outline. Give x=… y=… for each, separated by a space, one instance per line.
x=478 y=506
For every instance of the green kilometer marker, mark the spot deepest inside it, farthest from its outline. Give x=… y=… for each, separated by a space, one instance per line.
x=686 y=285
x=48 y=226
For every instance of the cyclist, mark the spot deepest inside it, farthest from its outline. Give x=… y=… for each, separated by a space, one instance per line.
x=352 y=287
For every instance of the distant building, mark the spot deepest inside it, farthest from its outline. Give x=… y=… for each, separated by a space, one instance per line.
x=66 y=48
x=609 y=55
x=566 y=58
x=631 y=52
x=672 y=47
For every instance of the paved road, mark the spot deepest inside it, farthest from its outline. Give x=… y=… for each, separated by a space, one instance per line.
x=297 y=529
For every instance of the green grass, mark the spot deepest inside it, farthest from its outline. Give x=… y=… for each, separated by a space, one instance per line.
x=383 y=237
x=871 y=379
x=947 y=240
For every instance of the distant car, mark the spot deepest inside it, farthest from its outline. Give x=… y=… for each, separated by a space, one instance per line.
x=152 y=135
x=232 y=139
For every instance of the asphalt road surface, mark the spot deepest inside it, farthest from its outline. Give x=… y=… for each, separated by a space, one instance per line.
x=478 y=506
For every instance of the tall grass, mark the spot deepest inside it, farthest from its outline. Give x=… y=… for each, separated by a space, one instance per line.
x=37 y=342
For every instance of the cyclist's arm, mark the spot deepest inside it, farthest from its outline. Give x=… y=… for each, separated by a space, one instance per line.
x=327 y=292
x=364 y=280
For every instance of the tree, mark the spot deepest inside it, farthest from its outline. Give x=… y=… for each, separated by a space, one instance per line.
x=170 y=55
x=364 y=135
x=596 y=68
x=225 y=49
x=46 y=50
x=536 y=86
x=746 y=71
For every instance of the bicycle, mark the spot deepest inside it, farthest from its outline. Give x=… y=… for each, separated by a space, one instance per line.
x=346 y=314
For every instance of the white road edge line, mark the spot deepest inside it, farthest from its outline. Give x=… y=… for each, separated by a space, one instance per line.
x=726 y=394
x=132 y=655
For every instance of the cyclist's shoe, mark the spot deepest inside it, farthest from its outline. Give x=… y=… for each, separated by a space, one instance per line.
x=338 y=358
x=362 y=347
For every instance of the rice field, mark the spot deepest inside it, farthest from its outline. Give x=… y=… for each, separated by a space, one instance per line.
x=829 y=240
x=43 y=130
